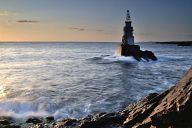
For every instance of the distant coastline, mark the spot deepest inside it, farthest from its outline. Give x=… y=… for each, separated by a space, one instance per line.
x=178 y=43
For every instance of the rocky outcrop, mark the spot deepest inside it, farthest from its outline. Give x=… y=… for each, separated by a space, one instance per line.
x=170 y=109
x=134 y=50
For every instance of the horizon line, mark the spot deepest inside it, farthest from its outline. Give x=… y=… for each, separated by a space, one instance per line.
x=86 y=41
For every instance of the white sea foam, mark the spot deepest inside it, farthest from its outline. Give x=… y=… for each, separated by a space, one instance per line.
x=129 y=59
x=24 y=109
x=123 y=59
x=43 y=107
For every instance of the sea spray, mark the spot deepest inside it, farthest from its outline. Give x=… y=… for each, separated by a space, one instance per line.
x=118 y=51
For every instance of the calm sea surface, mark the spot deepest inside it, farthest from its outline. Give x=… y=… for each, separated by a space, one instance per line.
x=76 y=79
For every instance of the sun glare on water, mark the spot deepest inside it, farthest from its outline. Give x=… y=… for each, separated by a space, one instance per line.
x=2 y=92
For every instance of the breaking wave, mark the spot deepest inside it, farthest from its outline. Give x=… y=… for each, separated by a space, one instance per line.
x=41 y=107
x=108 y=59
x=113 y=59
x=44 y=107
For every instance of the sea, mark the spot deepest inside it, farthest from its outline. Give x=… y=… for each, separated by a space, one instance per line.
x=75 y=79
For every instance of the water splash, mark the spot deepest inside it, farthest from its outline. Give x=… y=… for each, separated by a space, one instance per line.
x=118 y=51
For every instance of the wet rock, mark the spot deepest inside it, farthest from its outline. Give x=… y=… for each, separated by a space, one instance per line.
x=103 y=119
x=4 y=122
x=34 y=120
x=72 y=123
x=7 y=118
x=134 y=50
x=49 y=118
x=147 y=55
x=38 y=126
x=12 y=126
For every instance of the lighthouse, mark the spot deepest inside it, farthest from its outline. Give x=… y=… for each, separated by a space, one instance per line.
x=128 y=38
x=128 y=48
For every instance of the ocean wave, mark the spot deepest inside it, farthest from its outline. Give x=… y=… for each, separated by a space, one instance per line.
x=108 y=59
x=113 y=59
x=24 y=109
x=44 y=107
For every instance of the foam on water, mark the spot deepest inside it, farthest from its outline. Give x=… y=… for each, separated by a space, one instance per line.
x=130 y=59
x=24 y=109
x=44 y=107
x=41 y=107
x=114 y=59
x=107 y=59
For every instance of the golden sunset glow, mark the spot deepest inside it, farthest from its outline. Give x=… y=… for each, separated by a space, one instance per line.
x=62 y=20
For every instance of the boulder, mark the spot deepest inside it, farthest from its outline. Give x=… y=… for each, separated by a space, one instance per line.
x=66 y=123
x=34 y=120
x=4 y=122
x=49 y=118
x=134 y=50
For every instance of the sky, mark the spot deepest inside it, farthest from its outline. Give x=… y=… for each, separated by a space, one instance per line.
x=94 y=20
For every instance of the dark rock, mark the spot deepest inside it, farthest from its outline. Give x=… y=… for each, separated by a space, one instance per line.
x=4 y=122
x=70 y=122
x=178 y=43
x=103 y=119
x=67 y=123
x=134 y=50
x=148 y=55
x=34 y=120
x=9 y=119
x=12 y=126
x=49 y=118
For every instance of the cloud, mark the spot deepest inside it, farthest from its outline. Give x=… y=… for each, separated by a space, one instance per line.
x=85 y=29
x=77 y=29
x=28 y=21
x=7 y=13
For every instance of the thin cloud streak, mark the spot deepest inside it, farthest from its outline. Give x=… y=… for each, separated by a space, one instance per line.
x=7 y=13
x=28 y=21
x=85 y=29
x=77 y=29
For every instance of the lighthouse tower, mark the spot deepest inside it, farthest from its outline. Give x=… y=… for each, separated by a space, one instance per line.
x=128 y=38
x=128 y=48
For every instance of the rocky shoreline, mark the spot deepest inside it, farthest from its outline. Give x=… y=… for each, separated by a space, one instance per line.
x=172 y=108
